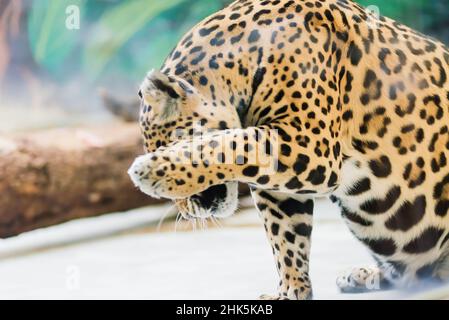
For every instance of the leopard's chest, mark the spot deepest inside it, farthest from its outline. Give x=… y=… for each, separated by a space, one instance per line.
x=388 y=217
x=364 y=199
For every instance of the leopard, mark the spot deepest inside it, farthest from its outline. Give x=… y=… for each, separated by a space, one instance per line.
x=302 y=100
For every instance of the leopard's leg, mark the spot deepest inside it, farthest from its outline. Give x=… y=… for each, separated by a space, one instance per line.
x=255 y=155
x=172 y=172
x=362 y=279
x=288 y=224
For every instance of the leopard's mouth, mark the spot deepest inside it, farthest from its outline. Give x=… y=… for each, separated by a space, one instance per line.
x=217 y=201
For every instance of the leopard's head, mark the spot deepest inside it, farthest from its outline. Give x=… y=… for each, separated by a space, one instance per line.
x=172 y=109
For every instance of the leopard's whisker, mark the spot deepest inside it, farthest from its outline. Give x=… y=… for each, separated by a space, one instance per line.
x=191 y=210
x=193 y=224
x=178 y=220
x=216 y=222
x=204 y=223
x=200 y=218
x=200 y=223
x=164 y=216
x=212 y=219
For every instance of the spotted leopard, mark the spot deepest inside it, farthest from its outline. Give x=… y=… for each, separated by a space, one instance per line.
x=340 y=103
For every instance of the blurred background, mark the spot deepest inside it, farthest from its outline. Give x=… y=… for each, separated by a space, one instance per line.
x=64 y=155
x=50 y=70
x=45 y=66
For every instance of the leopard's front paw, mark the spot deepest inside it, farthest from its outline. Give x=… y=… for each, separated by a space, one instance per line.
x=160 y=177
x=143 y=174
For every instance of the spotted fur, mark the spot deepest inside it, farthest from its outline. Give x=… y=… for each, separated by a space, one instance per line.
x=359 y=105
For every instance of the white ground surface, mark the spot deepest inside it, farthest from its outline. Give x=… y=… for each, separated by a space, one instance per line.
x=121 y=256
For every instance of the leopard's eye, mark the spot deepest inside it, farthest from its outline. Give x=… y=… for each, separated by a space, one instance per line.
x=140 y=94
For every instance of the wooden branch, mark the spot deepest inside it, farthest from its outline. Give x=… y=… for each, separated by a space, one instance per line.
x=54 y=176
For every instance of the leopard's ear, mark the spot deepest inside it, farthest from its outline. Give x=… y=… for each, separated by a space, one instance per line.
x=163 y=94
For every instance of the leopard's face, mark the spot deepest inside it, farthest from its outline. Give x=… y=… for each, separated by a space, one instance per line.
x=173 y=110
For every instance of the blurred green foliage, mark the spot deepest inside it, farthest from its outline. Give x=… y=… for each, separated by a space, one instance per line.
x=49 y=40
x=116 y=27
x=428 y=16
x=126 y=38
x=116 y=38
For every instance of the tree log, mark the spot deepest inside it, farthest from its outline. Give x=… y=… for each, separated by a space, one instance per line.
x=53 y=176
